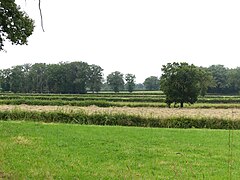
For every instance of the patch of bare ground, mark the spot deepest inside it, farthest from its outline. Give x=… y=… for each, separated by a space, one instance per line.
x=4 y=176
x=230 y=113
x=22 y=140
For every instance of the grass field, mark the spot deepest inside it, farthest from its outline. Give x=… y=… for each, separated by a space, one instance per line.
x=32 y=149
x=62 y=151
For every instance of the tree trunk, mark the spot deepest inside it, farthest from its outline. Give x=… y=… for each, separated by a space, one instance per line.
x=169 y=105
x=181 y=105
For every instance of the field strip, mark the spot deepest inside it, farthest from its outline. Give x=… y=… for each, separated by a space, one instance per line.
x=141 y=111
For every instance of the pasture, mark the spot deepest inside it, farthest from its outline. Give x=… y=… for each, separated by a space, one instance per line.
x=52 y=136
x=63 y=151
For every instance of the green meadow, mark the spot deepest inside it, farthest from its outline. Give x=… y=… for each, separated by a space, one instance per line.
x=34 y=150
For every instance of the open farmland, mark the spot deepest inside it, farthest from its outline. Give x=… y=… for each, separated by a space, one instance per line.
x=35 y=144
x=151 y=112
x=137 y=99
x=125 y=109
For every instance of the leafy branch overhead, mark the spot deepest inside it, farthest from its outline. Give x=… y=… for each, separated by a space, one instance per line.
x=15 y=25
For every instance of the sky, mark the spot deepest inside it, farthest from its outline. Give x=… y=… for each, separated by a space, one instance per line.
x=131 y=36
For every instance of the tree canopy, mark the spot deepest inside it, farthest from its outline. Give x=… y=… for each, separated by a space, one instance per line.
x=130 y=79
x=152 y=83
x=115 y=81
x=74 y=77
x=15 y=25
x=80 y=77
x=206 y=80
x=95 y=78
x=181 y=83
x=219 y=73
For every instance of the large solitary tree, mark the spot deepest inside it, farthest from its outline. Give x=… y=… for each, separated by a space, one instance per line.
x=15 y=25
x=181 y=83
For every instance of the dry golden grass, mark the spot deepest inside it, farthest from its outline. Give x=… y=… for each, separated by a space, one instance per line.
x=142 y=111
x=22 y=140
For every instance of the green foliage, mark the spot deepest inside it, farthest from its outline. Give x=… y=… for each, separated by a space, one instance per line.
x=180 y=83
x=37 y=75
x=95 y=76
x=80 y=77
x=219 y=73
x=233 y=79
x=56 y=79
x=74 y=77
x=152 y=83
x=81 y=70
x=15 y=25
x=5 y=79
x=139 y=87
x=206 y=80
x=224 y=80
x=115 y=81
x=130 y=79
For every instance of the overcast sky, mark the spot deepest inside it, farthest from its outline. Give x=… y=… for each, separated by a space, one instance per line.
x=131 y=36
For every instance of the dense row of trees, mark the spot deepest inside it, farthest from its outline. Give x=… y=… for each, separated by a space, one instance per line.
x=80 y=77
x=215 y=79
x=226 y=81
x=74 y=77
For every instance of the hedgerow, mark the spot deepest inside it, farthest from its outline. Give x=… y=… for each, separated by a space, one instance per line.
x=119 y=119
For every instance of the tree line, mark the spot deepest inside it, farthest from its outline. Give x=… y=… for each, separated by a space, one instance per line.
x=64 y=77
x=74 y=77
x=68 y=78
x=80 y=77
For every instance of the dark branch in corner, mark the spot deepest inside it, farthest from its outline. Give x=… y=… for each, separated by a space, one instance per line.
x=40 y=10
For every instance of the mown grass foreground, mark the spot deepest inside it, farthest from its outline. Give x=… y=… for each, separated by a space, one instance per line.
x=65 y=151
